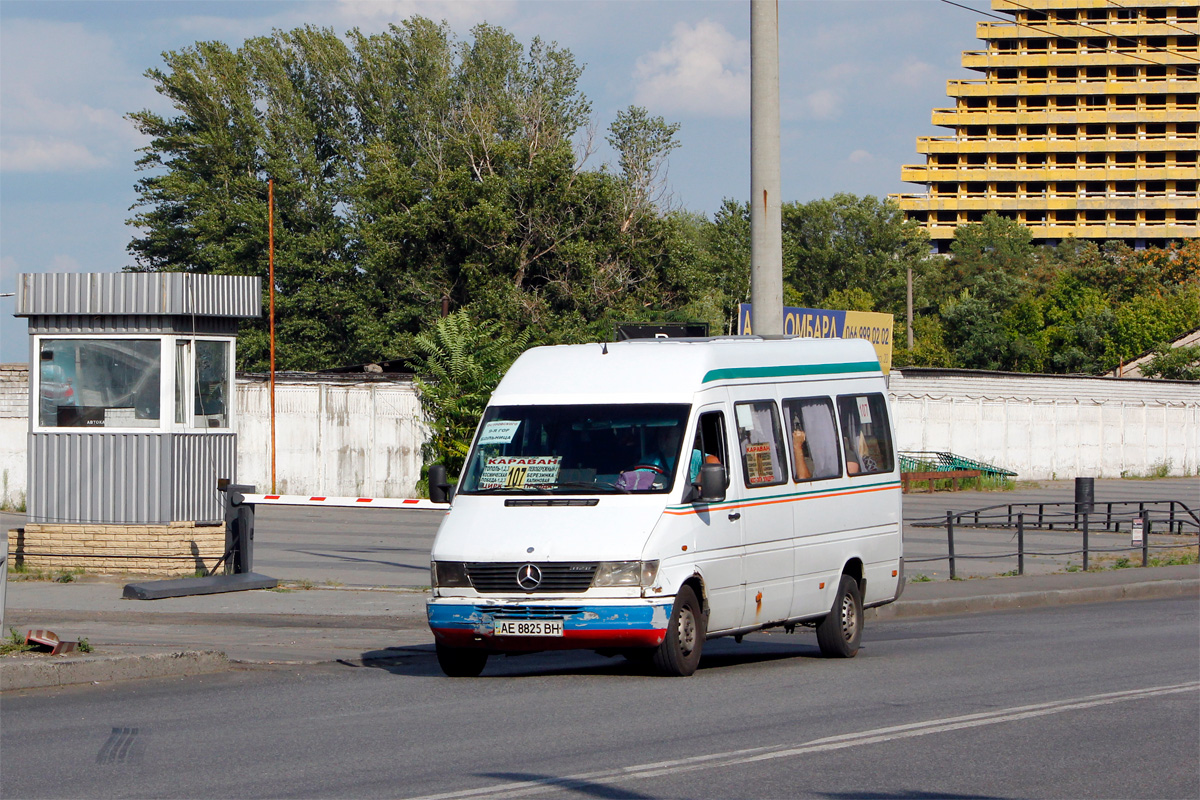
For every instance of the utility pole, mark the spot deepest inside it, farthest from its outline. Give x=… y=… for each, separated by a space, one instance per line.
x=766 y=216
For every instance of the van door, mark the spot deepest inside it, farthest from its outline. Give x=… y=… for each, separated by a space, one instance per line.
x=719 y=533
x=766 y=508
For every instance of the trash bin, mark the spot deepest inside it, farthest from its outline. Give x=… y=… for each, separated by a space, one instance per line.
x=1085 y=495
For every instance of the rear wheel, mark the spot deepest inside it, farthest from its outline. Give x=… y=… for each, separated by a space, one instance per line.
x=679 y=653
x=461 y=662
x=840 y=632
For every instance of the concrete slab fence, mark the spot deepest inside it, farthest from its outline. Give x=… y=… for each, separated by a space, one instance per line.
x=357 y=436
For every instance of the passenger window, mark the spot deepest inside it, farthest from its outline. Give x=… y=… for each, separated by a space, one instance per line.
x=761 y=441
x=865 y=433
x=813 y=430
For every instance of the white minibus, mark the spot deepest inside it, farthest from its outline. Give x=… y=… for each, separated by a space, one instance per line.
x=640 y=497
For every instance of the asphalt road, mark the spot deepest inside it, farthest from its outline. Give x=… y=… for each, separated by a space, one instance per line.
x=1081 y=701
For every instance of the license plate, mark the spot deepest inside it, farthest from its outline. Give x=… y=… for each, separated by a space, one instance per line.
x=529 y=627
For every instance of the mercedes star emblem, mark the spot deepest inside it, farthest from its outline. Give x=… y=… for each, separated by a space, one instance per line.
x=528 y=577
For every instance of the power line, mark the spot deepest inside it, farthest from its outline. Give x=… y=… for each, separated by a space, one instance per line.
x=1088 y=27
x=1073 y=38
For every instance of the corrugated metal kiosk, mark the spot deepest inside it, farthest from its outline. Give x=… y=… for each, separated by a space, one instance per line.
x=131 y=417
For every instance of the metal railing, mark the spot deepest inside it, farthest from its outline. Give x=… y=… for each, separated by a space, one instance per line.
x=1177 y=519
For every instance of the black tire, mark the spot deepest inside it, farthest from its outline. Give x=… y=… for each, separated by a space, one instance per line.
x=461 y=662
x=840 y=632
x=679 y=653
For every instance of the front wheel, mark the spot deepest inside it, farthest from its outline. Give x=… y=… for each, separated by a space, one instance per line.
x=840 y=632
x=461 y=662
x=679 y=653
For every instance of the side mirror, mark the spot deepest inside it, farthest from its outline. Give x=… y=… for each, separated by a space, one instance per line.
x=713 y=482
x=439 y=488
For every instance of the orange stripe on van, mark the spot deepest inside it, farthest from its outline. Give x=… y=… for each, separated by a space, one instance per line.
x=793 y=499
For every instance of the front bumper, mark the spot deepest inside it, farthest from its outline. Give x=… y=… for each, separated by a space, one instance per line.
x=586 y=626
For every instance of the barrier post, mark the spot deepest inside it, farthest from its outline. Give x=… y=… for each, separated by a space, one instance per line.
x=1085 y=541
x=1145 y=537
x=950 y=541
x=1020 y=544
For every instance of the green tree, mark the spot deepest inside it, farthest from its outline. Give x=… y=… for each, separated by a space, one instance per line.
x=461 y=359
x=1174 y=363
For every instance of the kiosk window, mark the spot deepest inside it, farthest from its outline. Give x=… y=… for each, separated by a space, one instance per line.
x=813 y=432
x=103 y=383
x=761 y=441
x=865 y=433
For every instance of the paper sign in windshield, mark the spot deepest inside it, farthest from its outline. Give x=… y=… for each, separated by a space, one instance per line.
x=499 y=431
x=759 y=466
x=516 y=472
x=864 y=411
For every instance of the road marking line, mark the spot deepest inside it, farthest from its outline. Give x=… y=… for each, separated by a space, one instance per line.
x=767 y=753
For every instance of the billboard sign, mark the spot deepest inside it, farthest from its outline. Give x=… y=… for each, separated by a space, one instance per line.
x=822 y=323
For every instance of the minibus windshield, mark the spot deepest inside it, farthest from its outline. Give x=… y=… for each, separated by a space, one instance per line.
x=577 y=449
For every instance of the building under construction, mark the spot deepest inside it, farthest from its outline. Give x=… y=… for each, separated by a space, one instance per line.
x=1083 y=124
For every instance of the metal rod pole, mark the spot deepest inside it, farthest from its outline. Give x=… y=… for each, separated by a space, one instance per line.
x=1020 y=544
x=271 y=283
x=950 y=542
x=909 y=326
x=1085 y=541
x=1145 y=538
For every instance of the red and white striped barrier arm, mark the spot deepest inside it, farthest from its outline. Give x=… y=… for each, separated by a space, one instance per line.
x=344 y=502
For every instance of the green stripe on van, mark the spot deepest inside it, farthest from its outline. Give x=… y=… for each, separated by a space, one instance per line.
x=735 y=373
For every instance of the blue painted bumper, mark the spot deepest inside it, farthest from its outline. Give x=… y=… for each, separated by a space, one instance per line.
x=584 y=625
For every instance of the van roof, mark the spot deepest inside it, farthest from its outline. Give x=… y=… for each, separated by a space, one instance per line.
x=672 y=370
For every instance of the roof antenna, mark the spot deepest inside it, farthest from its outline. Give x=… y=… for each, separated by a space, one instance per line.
x=604 y=348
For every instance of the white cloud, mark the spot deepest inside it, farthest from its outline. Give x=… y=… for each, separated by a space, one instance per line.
x=64 y=263
x=823 y=104
x=915 y=74
x=372 y=14
x=63 y=97
x=33 y=154
x=704 y=69
x=860 y=157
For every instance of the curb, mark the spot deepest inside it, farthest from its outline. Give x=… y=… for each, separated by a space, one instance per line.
x=1051 y=597
x=40 y=673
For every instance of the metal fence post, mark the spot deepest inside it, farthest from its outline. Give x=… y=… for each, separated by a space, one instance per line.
x=1020 y=544
x=1145 y=537
x=950 y=541
x=1085 y=541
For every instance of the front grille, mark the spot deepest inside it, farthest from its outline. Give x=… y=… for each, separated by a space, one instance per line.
x=533 y=612
x=493 y=578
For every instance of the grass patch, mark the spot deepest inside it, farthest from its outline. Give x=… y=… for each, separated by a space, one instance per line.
x=14 y=643
x=21 y=572
x=1160 y=469
x=84 y=646
x=919 y=578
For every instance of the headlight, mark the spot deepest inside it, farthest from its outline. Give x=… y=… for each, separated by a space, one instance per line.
x=625 y=573
x=449 y=575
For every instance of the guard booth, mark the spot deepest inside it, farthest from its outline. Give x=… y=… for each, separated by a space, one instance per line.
x=131 y=419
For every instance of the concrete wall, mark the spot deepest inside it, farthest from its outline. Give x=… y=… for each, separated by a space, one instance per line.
x=1048 y=426
x=332 y=437
x=358 y=437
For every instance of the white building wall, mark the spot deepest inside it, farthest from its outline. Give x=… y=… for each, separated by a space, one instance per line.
x=1044 y=427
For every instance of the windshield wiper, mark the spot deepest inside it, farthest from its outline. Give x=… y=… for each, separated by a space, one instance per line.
x=597 y=486
x=538 y=488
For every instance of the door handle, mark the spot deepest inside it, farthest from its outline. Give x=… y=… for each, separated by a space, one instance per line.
x=735 y=516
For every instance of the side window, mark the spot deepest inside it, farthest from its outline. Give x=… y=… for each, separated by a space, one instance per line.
x=813 y=431
x=761 y=441
x=709 y=444
x=865 y=433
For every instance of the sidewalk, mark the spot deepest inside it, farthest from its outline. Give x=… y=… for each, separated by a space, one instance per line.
x=192 y=635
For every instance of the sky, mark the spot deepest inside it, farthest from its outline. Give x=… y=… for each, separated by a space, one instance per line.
x=858 y=79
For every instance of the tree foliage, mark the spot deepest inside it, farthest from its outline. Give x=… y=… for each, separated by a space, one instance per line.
x=409 y=166
x=460 y=361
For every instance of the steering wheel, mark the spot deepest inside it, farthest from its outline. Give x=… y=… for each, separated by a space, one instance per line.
x=649 y=468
